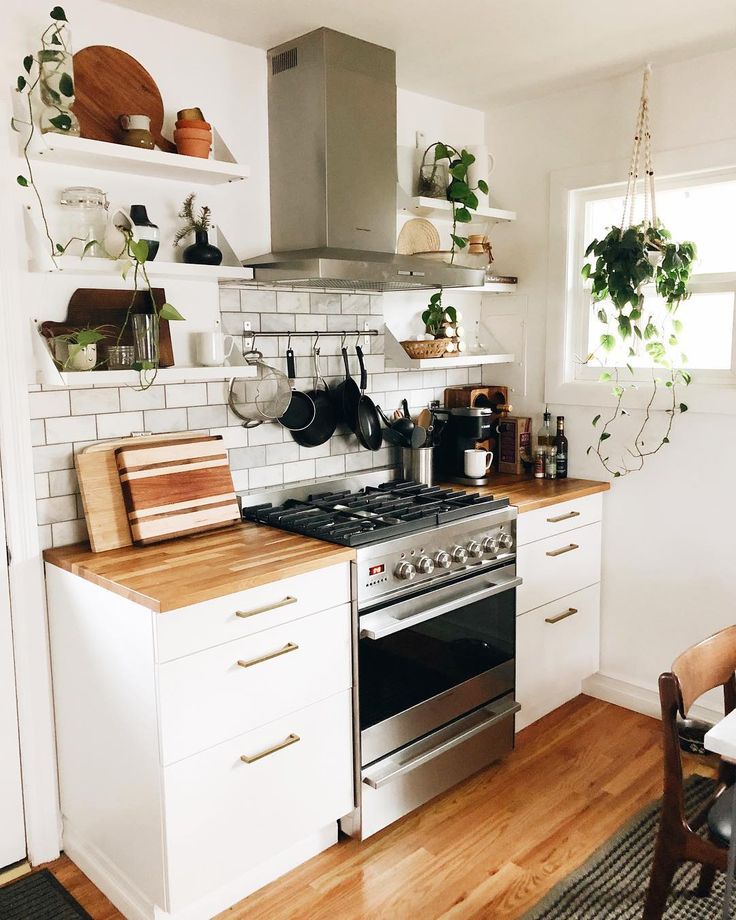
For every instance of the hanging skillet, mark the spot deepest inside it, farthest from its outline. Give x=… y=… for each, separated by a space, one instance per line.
x=347 y=395
x=323 y=425
x=301 y=410
x=368 y=422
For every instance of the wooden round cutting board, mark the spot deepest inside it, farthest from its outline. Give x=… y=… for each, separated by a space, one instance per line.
x=108 y=83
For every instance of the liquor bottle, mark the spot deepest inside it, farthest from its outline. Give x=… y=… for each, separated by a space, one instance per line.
x=561 y=445
x=545 y=438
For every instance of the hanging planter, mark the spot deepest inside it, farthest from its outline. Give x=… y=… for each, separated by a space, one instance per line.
x=620 y=266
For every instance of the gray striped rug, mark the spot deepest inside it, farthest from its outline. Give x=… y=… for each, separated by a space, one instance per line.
x=613 y=882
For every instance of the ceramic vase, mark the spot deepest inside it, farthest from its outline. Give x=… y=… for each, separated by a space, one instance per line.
x=202 y=252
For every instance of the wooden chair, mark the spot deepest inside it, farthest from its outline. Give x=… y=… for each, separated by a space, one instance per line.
x=709 y=664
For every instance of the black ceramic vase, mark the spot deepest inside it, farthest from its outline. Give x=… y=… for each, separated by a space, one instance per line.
x=202 y=252
x=144 y=229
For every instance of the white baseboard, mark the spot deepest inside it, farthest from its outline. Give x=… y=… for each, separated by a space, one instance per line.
x=135 y=906
x=640 y=699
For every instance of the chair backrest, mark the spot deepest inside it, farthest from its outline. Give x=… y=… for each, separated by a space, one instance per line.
x=711 y=663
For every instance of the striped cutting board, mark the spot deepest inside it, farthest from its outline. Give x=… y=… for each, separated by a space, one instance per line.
x=176 y=488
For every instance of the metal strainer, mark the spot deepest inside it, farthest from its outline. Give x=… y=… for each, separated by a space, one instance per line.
x=265 y=397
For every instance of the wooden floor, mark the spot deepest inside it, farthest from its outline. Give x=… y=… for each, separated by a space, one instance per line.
x=489 y=848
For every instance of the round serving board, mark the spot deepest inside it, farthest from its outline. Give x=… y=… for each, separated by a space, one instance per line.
x=417 y=235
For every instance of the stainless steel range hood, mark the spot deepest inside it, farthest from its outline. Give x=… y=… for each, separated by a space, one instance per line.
x=332 y=154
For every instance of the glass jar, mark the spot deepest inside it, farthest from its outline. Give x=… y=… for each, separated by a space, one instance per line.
x=146 y=338
x=56 y=81
x=433 y=180
x=84 y=211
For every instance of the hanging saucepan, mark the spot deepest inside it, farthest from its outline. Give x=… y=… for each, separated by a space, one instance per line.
x=323 y=425
x=346 y=395
x=301 y=411
x=368 y=422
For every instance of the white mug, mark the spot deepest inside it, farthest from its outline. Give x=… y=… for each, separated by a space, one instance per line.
x=213 y=348
x=477 y=463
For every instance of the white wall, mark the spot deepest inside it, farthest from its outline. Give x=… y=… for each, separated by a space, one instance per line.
x=668 y=530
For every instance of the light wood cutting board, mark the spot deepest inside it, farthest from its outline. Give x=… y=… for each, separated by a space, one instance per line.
x=102 y=494
x=172 y=490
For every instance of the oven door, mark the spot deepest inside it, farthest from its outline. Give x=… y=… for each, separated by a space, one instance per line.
x=432 y=658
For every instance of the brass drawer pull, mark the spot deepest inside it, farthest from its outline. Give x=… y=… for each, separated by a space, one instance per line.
x=563 y=549
x=570 y=612
x=292 y=739
x=256 y=610
x=563 y=517
x=289 y=647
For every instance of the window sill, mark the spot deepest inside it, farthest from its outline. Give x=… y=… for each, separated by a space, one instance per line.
x=715 y=399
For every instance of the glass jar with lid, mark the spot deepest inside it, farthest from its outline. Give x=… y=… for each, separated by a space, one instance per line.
x=84 y=219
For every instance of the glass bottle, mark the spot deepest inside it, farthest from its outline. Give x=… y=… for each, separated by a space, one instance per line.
x=545 y=438
x=550 y=463
x=562 y=448
x=56 y=81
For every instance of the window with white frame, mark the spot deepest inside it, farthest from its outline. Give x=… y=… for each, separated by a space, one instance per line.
x=694 y=207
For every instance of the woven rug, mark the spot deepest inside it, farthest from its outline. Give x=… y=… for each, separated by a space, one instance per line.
x=39 y=896
x=612 y=883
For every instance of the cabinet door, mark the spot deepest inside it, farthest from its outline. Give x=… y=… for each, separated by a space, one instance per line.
x=225 y=815
x=557 y=646
x=559 y=518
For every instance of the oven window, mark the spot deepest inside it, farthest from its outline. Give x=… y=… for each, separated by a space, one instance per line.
x=415 y=664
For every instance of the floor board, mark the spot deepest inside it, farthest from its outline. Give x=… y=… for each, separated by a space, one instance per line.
x=491 y=847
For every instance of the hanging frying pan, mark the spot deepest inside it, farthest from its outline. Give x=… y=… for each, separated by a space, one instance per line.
x=368 y=422
x=347 y=396
x=300 y=412
x=323 y=425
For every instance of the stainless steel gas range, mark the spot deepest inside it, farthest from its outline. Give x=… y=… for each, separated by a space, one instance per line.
x=434 y=612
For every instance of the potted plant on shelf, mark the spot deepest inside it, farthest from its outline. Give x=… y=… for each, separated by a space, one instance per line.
x=201 y=252
x=439 y=325
x=77 y=350
x=619 y=266
x=450 y=180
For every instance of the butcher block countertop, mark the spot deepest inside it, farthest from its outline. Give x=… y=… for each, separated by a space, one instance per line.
x=189 y=570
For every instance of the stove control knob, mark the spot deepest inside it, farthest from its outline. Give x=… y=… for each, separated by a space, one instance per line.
x=490 y=545
x=405 y=571
x=425 y=566
x=443 y=560
x=475 y=550
x=505 y=540
x=459 y=554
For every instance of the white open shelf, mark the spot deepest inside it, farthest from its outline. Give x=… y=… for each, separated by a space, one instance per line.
x=421 y=206
x=48 y=373
x=90 y=154
x=397 y=358
x=172 y=270
x=492 y=287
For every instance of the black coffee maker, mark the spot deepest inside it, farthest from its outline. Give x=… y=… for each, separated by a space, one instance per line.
x=463 y=428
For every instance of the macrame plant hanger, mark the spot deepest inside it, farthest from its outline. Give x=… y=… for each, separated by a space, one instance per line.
x=642 y=138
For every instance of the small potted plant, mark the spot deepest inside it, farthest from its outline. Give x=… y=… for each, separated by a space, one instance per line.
x=439 y=326
x=201 y=251
x=77 y=351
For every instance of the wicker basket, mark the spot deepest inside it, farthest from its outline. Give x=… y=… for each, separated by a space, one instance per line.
x=432 y=348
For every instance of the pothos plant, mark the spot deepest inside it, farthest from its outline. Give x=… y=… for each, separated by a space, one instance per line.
x=620 y=266
x=435 y=316
x=459 y=191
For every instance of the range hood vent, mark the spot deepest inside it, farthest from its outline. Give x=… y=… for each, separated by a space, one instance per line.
x=332 y=158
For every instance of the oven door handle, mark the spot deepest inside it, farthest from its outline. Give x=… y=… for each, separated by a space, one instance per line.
x=385 y=624
x=495 y=715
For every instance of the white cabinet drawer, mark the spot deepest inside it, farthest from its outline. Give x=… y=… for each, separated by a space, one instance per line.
x=559 y=518
x=190 y=629
x=556 y=649
x=227 y=690
x=558 y=566
x=224 y=816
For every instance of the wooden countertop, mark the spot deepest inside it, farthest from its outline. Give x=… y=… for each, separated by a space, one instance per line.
x=189 y=570
x=528 y=494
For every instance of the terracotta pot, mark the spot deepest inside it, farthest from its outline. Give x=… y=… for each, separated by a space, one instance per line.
x=192 y=148
x=193 y=114
x=186 y=123
x=197 y=134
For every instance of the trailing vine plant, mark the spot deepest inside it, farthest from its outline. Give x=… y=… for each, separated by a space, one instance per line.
x=619 y=267
x=459 y=191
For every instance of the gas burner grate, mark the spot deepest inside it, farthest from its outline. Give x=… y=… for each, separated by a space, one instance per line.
x=374 y=514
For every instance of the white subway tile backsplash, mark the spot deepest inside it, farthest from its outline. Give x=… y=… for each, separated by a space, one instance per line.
x=261 y=477
x=258 y=301
x=229 y=299
x=186 y=394
x=302 y=469
x=292 y=302
x=63 y=482
x=330 y=466
x=54 y=510
x=132 y=400
x=243 y=457
x=92 y=402
x=232 y=323
x=324 y=303
x=119 y=424
x=68 y=532
x=52 y=457
x=207 y=417
x=278 y=322
x=38 y=432
x=159 y=421
x=310 y=322
x=356 y=303
x=71 y=428
x=268 y=433
x=241 y=478
x=286 y=452
x=41 y=481
x=358 y=461
x=48 y=404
